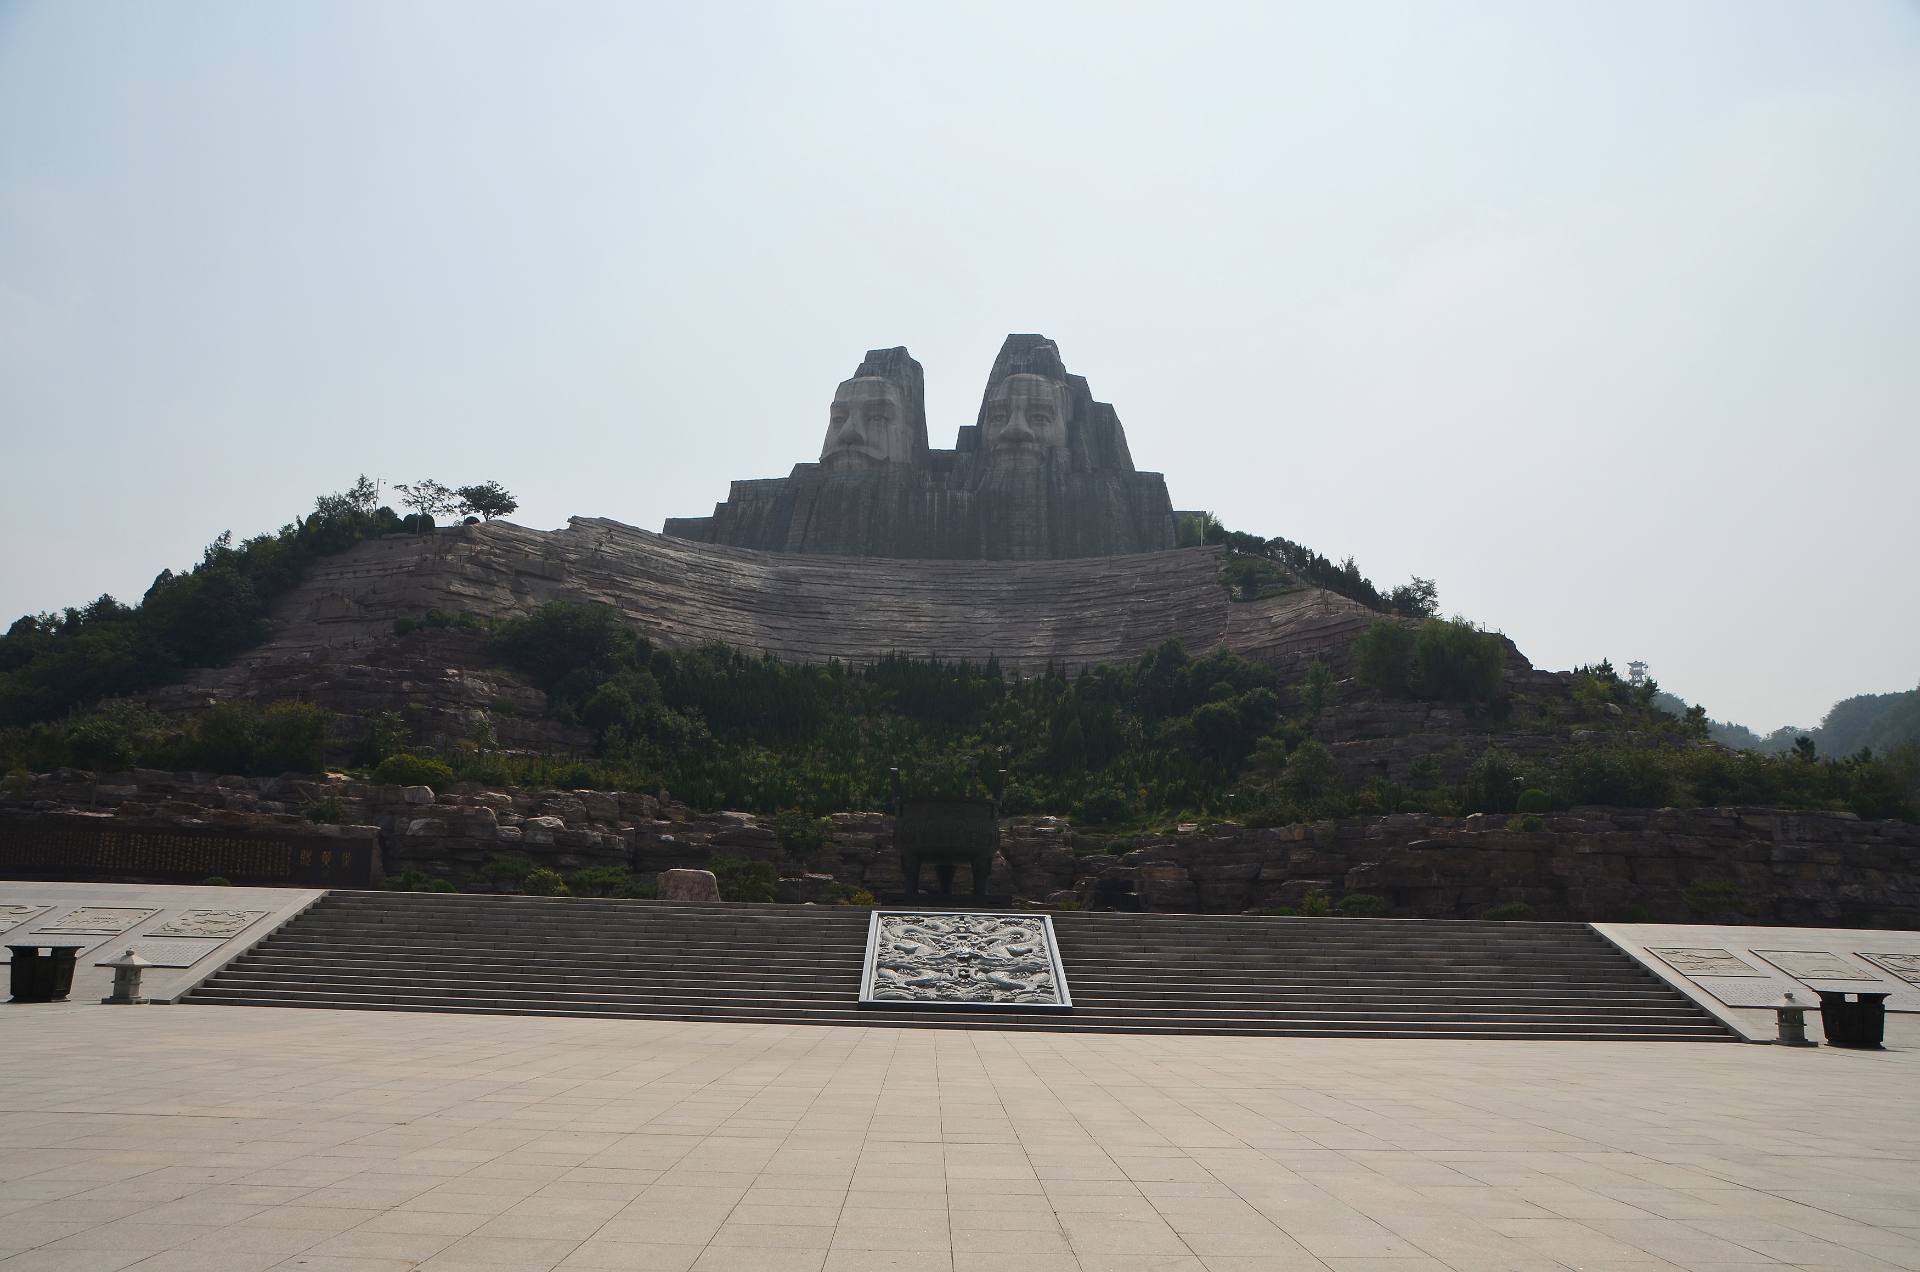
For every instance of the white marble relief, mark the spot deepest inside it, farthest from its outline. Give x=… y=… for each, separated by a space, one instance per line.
x=12 y=915
x=1905 y=966
x=963 y=958
x=98 y=920
x=1691 y=961
x=158 y=953
x=1815 y=965
x=220 y=923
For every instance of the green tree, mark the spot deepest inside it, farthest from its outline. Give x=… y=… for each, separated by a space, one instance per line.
x=1318 y=683
x=1383 y=658
x=1418 y=598
x=430 y=497
x=1456 y=662
x=488 y=500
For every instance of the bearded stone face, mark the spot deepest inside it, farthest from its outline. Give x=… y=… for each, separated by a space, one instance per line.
x=867 y=425
x=1025 y=420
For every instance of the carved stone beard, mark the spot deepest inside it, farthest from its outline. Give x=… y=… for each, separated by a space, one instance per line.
x=867 y=425
x=1025 y=420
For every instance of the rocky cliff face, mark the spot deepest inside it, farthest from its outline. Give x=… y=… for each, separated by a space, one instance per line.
x=1749 y=865
x=1029 y=614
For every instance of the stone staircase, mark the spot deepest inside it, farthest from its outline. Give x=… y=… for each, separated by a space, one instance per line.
x=1129 y=973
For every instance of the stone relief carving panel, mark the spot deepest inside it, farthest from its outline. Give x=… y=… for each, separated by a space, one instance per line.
x=1905 y=966
x=1815 y=965
x=12 y=915
x=963 y=958
x=1690 y=961
x=160 y=953
x=220 y=923
x=98 y=920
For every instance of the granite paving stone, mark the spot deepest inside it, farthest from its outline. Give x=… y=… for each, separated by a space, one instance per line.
x=483 y=1144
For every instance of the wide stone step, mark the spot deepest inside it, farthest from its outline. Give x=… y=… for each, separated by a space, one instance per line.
x=838 y=989
x=481 y=995
x=270 y=962
x=794 y=935
x=1056 y=1023
x=770 y=964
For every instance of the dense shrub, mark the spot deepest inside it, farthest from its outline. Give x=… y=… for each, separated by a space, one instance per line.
x=610 y=881
x=542 y=881
x=1357 y=905
x=800 y=834
x=1494 y=782
x=720 y=729
x=1440 y=660
x=327 y=810
x=743 y=879
x=1456 y=662
x=1383 y=658
x=507 y=871
x=413 y=770
x=415 y=881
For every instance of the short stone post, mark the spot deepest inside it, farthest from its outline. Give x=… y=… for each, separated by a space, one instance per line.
x=126 y=978
x=1792 y=1016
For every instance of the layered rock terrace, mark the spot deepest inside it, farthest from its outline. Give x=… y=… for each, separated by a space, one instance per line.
x=679 y=593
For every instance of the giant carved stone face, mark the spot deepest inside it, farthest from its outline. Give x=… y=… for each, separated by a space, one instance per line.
x=1025 y=420
x=867 y=424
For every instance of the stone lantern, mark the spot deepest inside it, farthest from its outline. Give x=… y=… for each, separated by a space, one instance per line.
x=1792 y=1016
x=126 y=977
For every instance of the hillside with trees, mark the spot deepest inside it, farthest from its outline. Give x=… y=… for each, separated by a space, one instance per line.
x=1167 y=738
x=1876 y=722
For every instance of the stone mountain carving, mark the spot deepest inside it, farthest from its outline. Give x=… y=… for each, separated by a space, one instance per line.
x=1044 y=472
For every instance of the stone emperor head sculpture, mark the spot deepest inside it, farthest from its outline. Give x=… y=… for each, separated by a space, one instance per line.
x=879 y=416
x=1035 y=412
x=1025 y=419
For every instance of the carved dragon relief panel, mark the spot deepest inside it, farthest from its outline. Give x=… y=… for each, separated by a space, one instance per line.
x=1905 y=966
x=963 y=958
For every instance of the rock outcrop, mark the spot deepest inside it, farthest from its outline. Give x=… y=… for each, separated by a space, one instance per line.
x=1745 y=865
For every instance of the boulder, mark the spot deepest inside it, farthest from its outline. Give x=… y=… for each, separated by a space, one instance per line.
x=688 y=885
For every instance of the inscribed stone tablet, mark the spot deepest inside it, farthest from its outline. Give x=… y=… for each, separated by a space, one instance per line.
x=1815 y=965
x=98 y=920
x=1704 y=962
x=161 y=953
x=220 y=923
x=11 y=915
x=1752 y=991
x=1905 y=966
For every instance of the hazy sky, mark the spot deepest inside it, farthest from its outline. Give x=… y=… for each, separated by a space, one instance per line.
x=1605 y=316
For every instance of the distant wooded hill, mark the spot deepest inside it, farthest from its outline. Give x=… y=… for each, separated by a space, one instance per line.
x=1879 y=721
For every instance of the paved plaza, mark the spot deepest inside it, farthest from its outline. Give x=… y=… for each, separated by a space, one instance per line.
x=227 y=1139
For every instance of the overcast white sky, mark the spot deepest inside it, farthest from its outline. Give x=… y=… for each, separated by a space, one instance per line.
x=1605 y=316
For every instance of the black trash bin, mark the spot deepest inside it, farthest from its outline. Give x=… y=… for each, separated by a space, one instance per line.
x=42 y=973
x=1860 y=1024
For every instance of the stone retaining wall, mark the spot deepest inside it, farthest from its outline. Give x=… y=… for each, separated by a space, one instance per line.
x=1671 y=865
